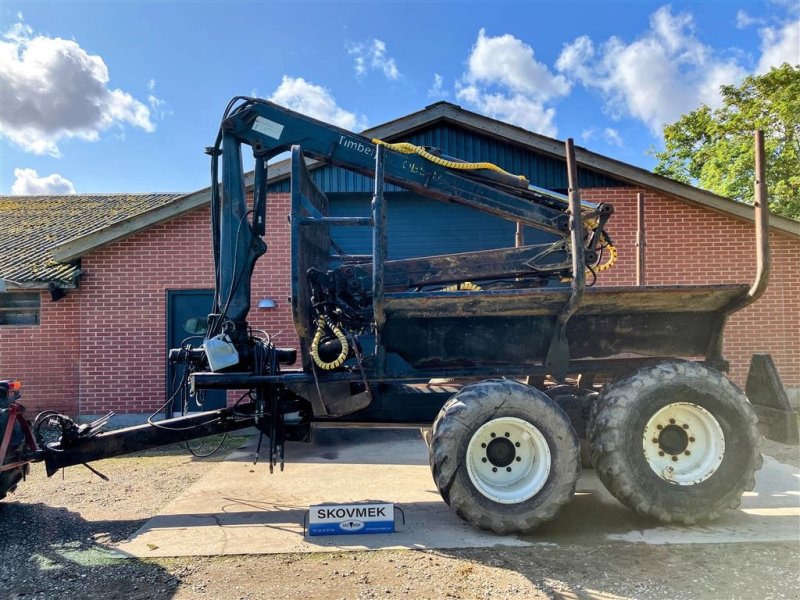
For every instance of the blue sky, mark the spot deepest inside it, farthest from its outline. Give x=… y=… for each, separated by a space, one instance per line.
x=123 y=96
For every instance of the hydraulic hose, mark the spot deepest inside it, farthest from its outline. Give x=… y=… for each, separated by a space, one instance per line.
x=465 y=286
x=325 y=323
x=612 y=256
x=407 y=148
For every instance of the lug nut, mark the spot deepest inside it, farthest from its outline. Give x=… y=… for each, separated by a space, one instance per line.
x=672 y=421
x=659 y=427
x=661 y=453
x=685 y=426
x=519 y=459
x=508 y=434
x=674 y=459
x=687 y=453
x=517 y=444
x=508 y=469
x=655 y=440
x=494 y=469
x=691 y=439
x=483 y=445
x=484 y=459
x=494 y=435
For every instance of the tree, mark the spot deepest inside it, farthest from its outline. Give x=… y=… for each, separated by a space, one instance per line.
x=714 y=148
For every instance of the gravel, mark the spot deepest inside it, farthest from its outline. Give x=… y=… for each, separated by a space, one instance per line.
x=55 y=536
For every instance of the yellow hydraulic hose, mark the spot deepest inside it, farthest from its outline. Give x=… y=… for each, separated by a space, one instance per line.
x=612 y=256
x=406 y=148
x=466 y=286
x=322 y=323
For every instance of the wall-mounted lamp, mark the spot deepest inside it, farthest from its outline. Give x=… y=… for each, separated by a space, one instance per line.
x=267 y=303
x=56 y=293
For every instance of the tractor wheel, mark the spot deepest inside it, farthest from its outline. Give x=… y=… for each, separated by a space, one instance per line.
x=676 y=441
x=504 y=456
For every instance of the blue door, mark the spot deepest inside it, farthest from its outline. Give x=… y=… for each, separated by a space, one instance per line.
x=187 y=314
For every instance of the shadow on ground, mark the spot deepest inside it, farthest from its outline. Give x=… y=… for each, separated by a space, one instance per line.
x=50 y=552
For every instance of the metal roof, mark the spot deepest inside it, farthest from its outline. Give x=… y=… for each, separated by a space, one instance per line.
x=32 y=226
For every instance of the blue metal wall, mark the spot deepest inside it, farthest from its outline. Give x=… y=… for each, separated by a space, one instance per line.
x=543 y=171
x=420 y=226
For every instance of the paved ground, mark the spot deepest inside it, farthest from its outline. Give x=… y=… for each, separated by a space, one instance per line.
x=238 y=508
x=58 y=539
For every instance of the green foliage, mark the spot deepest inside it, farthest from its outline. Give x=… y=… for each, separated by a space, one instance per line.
x=713 y=149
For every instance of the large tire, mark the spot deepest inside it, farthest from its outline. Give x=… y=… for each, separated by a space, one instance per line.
x=676 y=441
x=504 y=456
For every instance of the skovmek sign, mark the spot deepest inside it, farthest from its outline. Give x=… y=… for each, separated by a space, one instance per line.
x=347 y=519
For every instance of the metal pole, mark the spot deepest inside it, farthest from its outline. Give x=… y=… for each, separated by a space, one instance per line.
x=379 y=252
x=576 y=236
x=557 y=360
x=762 y=229
x=762 y=221
x=640 y=241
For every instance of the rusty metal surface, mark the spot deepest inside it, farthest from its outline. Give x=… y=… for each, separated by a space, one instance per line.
x=516 y=326
x=548 y=301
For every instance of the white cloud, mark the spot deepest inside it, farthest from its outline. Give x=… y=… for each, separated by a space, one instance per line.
x=779 y=45
x=509 y=62
x=315 y=101
x=371 y=56
x=158 y=106
x=28 y=183
x=505 y=81
x=437 y=87
x=518 y=109
x=52 y=89
x=743 y=20
x=612 y=137
x=588 y=133
x=666 y=72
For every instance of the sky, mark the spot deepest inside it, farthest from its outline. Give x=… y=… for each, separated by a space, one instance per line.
x=112 y=97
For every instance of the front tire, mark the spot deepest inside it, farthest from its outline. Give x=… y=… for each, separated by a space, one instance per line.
x=676 y=441
x=504 y=456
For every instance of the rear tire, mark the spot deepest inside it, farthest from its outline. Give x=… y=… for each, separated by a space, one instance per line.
x=504 y=456
x=676 y=441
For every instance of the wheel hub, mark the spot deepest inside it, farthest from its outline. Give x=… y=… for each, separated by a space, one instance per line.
x=673 y=439
x=508 y=460
x=500 y=452
x=683 y=443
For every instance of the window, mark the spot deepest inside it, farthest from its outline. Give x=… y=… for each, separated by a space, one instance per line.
x=19 y=308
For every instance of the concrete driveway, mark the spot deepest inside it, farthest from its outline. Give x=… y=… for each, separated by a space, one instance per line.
x=239 y=508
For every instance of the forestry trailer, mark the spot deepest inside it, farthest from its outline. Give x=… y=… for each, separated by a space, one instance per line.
x=543 y=360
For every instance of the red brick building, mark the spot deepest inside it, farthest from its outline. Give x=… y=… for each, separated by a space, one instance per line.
x=95 y=289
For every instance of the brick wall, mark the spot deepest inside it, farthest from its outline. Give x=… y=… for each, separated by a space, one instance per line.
x=125 y=285
x=691 y=245
x=103 y=347
x=45 y=357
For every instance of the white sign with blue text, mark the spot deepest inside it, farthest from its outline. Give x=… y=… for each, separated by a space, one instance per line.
x=348 y=519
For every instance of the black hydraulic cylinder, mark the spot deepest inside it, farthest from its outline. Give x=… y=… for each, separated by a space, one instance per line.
x=144 y=437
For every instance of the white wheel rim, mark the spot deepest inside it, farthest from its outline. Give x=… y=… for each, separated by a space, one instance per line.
x=683 y=443
x=508 y=460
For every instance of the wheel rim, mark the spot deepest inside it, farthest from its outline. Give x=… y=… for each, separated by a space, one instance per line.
x=508 y=460
x=683 y=443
